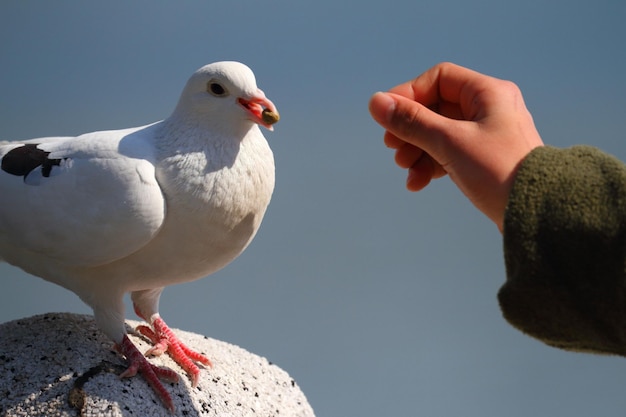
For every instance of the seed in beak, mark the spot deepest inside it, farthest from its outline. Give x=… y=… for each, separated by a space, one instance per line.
x=269 y=117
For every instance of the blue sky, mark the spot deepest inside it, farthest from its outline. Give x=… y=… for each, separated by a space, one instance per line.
x=377 y=301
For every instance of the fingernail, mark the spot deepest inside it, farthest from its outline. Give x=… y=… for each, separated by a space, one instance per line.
x=385 y=101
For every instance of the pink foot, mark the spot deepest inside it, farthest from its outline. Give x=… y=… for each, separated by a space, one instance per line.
x=151 y=373
x=166 y=341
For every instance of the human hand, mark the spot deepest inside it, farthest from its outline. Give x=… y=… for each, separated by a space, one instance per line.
x=455 y=121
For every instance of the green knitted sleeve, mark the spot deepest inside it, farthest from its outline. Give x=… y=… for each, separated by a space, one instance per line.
x=565 y=250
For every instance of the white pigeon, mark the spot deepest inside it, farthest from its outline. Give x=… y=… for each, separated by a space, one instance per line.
x=135 y=210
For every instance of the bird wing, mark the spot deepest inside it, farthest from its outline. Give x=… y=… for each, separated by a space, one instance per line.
x=83 y=201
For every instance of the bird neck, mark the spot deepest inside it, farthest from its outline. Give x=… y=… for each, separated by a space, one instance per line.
x=186 y=126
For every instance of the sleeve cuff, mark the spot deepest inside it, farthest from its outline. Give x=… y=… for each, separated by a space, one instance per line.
x=564 y=248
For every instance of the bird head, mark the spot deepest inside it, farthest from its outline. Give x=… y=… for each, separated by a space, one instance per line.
x=225 y=94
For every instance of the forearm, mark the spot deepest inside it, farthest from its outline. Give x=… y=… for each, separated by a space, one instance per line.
x=565 y=250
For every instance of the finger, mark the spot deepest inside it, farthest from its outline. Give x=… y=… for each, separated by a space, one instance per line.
x=415 y=124
x=408 y=155
x=454 y=91
x=420 y=174
x=391 y=141
x=445 y=82
x=450 y=110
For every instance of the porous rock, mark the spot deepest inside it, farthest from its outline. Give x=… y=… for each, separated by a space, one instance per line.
x=60 y=364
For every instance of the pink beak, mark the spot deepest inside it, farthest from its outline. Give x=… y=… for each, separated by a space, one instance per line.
x=255 y=106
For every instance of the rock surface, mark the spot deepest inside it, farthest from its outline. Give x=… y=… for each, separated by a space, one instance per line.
x=60 y=364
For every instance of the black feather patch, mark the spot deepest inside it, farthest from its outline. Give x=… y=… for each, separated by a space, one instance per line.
x=24 y=159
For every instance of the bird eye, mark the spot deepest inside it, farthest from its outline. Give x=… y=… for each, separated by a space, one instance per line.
x=217 y=89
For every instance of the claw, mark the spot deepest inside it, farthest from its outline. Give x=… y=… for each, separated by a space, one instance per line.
x=165 y=340
x=151 y=373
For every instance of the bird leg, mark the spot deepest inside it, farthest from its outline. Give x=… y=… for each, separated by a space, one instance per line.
x=165 y=340
x=151 y=373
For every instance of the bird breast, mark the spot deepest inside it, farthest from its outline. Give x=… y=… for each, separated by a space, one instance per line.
x=224 y=182
x=215 y=201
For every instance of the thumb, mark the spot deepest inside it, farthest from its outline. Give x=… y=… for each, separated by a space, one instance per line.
x=414 y=123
